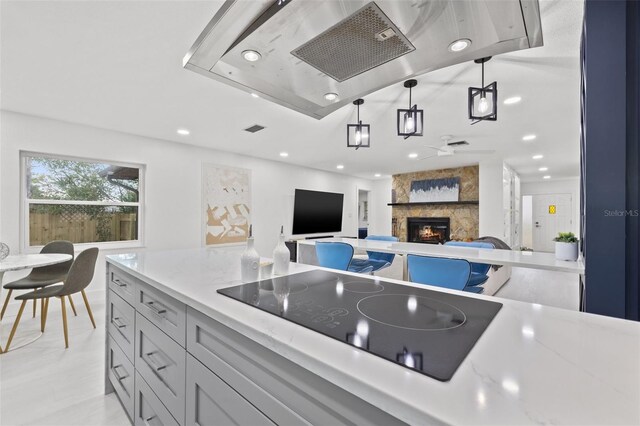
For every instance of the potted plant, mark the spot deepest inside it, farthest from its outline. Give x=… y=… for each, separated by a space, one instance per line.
x=566 y=246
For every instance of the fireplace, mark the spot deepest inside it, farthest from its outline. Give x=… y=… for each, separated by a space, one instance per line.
x=428 y=230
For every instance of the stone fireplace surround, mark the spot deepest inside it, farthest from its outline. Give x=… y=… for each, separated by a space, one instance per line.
x=464 y=218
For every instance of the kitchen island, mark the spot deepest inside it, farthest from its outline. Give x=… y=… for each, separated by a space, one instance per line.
x=533 y=364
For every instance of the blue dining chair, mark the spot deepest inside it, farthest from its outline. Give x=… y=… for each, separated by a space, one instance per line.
x=479 y=271
x=338 y=256
x=439 y=271
x=376 y=260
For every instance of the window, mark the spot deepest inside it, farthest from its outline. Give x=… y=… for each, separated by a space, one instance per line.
x=80 y=200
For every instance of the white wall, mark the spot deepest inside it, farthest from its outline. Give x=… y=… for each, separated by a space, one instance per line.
x=491 y=215
x=559 y=186
x=527 y=221
x=379 y=211
x=172 y=218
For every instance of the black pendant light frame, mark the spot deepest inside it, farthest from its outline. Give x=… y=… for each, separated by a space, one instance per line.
x=488 y=92
x=413 y=112
x=363 y=129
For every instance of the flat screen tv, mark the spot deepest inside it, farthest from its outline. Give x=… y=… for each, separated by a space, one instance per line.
x=317 y=212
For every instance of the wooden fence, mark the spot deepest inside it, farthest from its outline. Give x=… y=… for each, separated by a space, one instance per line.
x=45 y=227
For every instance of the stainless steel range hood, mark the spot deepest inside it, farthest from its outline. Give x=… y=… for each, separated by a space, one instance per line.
x=309 y=48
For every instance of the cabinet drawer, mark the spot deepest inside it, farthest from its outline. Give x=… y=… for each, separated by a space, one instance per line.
x=122 y=284
x=279 y=388
x=208 y=347
x=121 y=323
x=149 y=409
x=121 y=374
x=162 y=310
x=161 y=362
x=210 y=401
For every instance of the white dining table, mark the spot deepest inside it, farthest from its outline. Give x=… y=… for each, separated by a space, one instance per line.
x=19 y=262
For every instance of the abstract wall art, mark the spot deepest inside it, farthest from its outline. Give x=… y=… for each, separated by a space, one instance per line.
x=226 y=204
x=433 y=190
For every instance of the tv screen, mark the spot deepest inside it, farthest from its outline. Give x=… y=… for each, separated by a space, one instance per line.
x=316 y=212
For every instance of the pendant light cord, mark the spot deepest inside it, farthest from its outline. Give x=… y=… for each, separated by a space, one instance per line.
x=409 y=97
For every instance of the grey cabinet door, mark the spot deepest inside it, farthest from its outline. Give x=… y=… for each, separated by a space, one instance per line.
x=121 y=375
x=210 y=401
x=123 y=284
x=161 y=362
x=162 y=310
x=121 y=323
x=149 y=409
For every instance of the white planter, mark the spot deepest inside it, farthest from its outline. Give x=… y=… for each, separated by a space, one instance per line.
x=566 y=251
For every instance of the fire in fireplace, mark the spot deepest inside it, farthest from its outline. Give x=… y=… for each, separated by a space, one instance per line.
x=428 y=230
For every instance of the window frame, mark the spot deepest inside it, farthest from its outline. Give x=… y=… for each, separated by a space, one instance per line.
x=105 y=245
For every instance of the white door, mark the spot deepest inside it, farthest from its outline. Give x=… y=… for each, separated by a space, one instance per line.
x=551 y=214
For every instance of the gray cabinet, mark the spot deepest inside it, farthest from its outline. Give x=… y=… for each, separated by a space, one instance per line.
x=163 y=311
x=121 y=373
x=122 y=284
x=172 y=365
x=210 y=401
x=149 y=409
x=161 y=362
x=282 y=390
x=121 y=323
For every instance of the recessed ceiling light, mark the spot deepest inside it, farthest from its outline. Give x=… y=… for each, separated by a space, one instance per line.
x=183 y=132
x=459 y=45
x=251 y=55
x=538 y=157
x=377 y=175
x=528 y=137
x=340 y=167
x=413 y=155
x=284 y=154
x=255 y=95
x=546 y=177
x=512 y=100
x=331 y=96
x=543 y=169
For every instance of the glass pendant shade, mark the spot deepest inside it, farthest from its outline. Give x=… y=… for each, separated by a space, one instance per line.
x=358 y=134
x=483 y=101
x=410 y=121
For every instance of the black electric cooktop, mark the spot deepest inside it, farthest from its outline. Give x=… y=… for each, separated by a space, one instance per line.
x=424 y=330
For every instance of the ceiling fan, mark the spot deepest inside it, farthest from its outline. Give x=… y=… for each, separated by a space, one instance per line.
x=451 y=147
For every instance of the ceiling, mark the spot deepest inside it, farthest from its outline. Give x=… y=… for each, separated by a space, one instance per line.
x=118 y=65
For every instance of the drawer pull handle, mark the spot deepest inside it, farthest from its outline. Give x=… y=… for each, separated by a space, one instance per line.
x=148 y=419
x=116 y=321
x=120 y=283
x=118 y=376
x=152 y=363
x=157 y=311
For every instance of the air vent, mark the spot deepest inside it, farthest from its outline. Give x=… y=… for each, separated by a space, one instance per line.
x=254 y=128
x=458 y=143
x=363 y=41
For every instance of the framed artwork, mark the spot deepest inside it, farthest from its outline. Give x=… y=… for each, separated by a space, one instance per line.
x=226 y=204
x=430 y=190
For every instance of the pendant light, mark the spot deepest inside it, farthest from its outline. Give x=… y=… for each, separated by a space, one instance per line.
x=483 y=101
x=358 y=135
x=410 y=121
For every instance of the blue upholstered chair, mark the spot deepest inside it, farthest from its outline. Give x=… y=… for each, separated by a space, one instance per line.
x=376 y=260
x=439 y=271
x=338 y=256
x=479 y=271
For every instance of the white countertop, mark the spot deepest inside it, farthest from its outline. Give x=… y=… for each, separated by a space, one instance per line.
x=533 y=364
x=523 y=259
x=17 y=262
